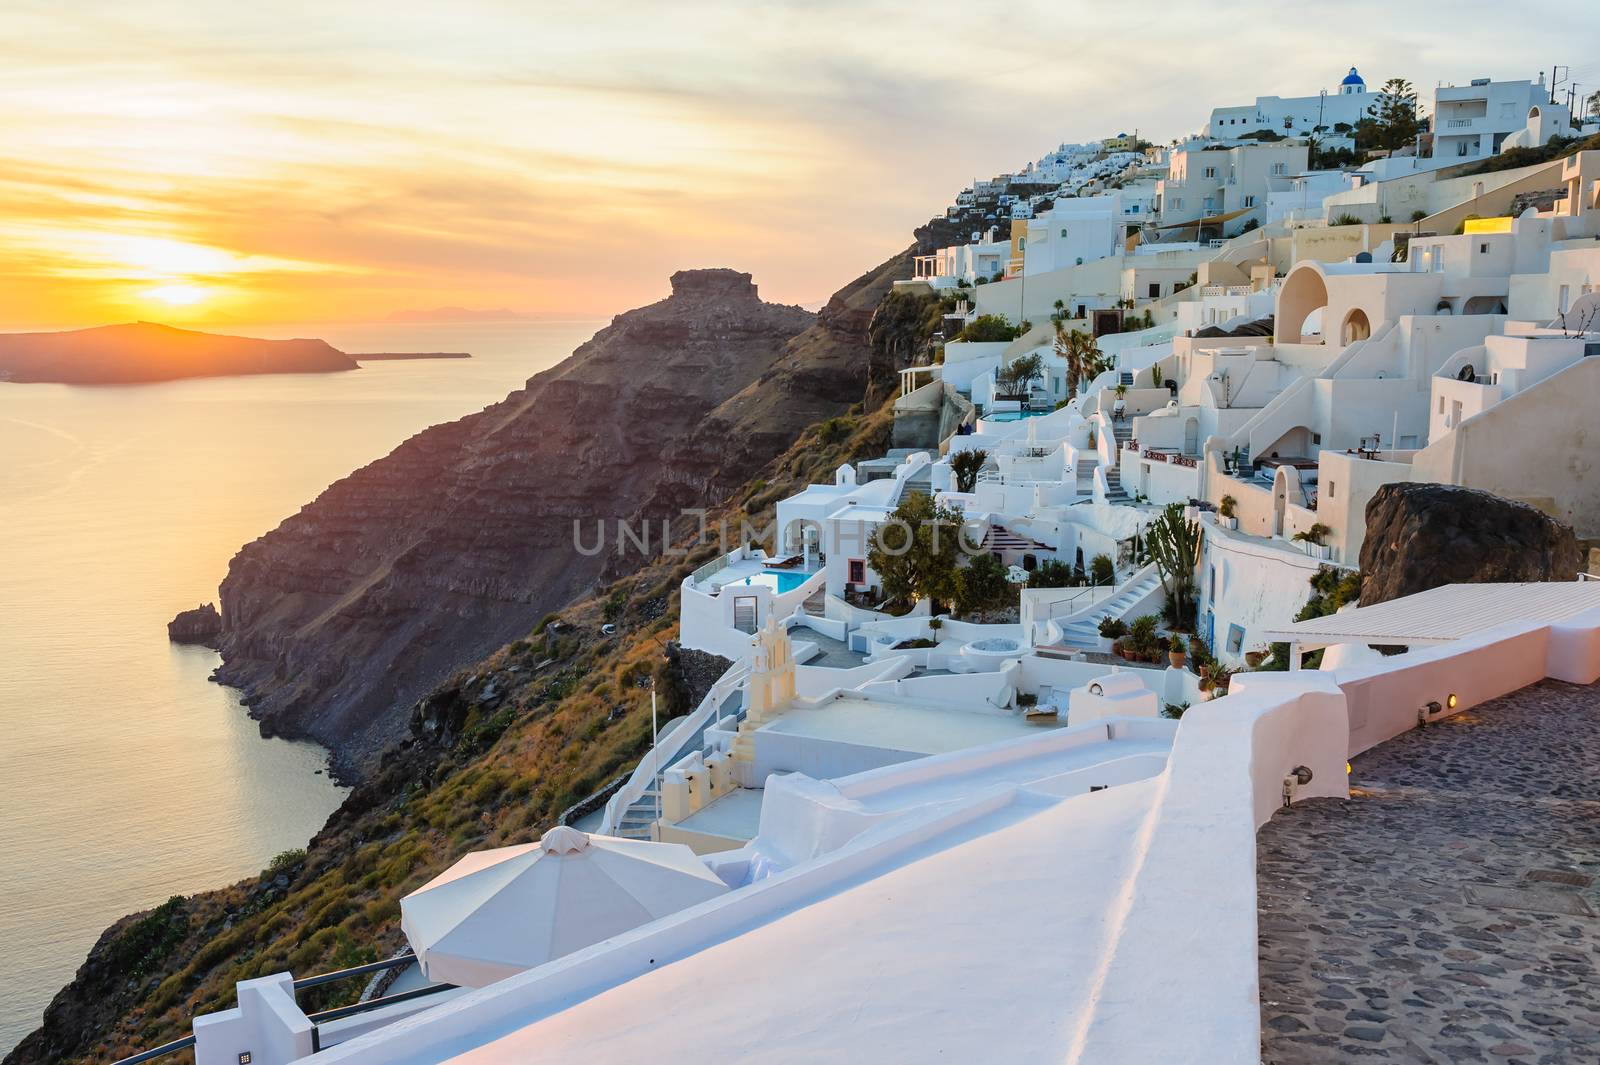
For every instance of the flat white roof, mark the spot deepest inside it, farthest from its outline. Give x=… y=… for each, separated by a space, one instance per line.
x=1440 y=615
x=956 y=952
x=900 y=726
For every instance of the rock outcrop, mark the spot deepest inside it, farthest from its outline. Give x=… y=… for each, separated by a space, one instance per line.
x=202 y=625
x=144 y=351
x=1421 y=536
x=461 y=539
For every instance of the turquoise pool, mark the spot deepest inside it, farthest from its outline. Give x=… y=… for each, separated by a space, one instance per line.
x=780 y=581
x=1016 y=415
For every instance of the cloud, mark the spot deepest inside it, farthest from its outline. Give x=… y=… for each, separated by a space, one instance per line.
x=566 y=157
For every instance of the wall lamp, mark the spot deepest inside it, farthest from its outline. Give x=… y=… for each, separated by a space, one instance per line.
x=1298 y=777
x=1433 y=708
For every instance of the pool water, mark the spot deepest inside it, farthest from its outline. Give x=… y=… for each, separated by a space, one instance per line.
x=780 y=581
x=1016 y=415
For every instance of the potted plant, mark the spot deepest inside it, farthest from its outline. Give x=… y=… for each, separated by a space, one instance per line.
x=1122 y=390
x=1143 y=642
x=1253 y=659
x=1225 y=513
x=935 y=623
x=1177 y=651
x=1312 y=540
x=1112 y=630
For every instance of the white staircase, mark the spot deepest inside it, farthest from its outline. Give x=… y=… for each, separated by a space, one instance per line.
x=1084 y=631
x=1123 y=432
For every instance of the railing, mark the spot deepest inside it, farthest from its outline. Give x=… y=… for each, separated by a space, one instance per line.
x=159 y=1052
x=325 y=1016
x=668 y=747
x=717 y=564
x=1174 y=458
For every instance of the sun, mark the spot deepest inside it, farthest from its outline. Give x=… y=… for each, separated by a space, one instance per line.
x=178 y=295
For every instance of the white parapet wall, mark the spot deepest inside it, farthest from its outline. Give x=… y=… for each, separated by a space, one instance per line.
x=265 y=1028
x=1159 y=963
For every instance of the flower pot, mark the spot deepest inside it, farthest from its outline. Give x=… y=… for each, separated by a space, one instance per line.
x=1229 y=522
x=1106 y=645
x=1253 y=659
x=1116 y=647
x=1176 y=658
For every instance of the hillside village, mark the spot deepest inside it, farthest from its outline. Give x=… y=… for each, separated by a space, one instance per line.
x=1023 y=729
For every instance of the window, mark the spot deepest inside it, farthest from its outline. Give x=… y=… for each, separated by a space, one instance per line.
x=1211 y=172
x=1280 y=168
x=1063 y=232
x=1483 y=248
x=1235 y=639
x=858 y=571
x=1441 y=404
x=1155 y=289
x=1177 y=203
x=1331 y=487
x=1249 y=201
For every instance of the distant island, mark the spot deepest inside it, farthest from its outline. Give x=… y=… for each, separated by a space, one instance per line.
x=144 y=352
x=458 y=314
x=397 y=356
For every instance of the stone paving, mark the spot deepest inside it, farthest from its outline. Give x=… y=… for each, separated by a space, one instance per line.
x=1448 y=911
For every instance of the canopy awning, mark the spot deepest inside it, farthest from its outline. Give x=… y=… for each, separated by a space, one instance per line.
x=1440 y=615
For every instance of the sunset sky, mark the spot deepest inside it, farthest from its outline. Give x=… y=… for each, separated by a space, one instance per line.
x=217 y=163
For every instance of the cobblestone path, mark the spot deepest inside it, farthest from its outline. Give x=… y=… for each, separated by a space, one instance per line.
x=1449 y=912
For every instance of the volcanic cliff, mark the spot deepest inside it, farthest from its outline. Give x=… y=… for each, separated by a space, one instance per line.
x=461 y=539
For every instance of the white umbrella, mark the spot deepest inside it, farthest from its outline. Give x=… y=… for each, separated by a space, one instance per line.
x=497 y=912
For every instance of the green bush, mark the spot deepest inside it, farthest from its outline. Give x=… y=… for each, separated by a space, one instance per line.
x=1053 y=573
x=835 y=429
x=988 y=329
x=1102 y=570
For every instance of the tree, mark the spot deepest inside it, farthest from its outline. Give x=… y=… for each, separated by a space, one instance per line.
x=988 y=329
x=980 y=583
x=1395 y=115
x=1081 y=354
x=1015 y=377
x=1174 y=544
x=1103 y=570
x=917 y=550
x=1053 y=573
x=965 y=465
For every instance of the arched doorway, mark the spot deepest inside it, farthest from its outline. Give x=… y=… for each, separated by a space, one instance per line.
x=1280 y=501
x=1356 y=327
x=1191 y=437
x=1304 y=291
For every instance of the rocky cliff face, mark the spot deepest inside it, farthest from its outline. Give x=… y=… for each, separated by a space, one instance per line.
x=203 y=625
x=339 y=620
x=1421 y=536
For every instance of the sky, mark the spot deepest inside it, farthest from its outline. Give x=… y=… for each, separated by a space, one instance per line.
x=215 y=163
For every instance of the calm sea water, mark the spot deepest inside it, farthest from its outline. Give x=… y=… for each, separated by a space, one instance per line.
x=125 y=776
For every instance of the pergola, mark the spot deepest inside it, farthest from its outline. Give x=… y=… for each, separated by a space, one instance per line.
x=1439 y=615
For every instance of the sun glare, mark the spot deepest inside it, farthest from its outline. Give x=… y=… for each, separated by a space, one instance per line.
x=177 y=295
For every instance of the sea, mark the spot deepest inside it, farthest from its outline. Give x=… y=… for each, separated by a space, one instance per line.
x=126 y=776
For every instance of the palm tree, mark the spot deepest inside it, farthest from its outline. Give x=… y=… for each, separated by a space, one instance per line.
x=1082 y=355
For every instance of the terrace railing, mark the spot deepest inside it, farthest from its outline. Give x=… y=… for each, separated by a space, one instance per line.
x=324 y=1016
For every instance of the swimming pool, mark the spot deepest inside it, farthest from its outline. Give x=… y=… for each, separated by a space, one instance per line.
x=780 y=581
x=1016 y=415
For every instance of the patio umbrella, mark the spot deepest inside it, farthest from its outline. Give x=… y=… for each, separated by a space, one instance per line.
x=497 y=912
